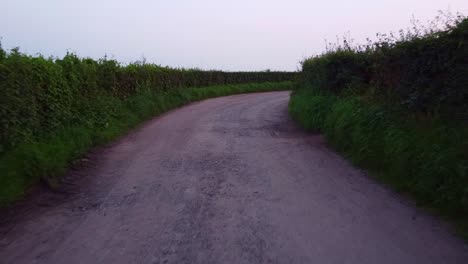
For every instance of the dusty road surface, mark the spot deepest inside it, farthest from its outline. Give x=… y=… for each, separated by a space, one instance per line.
x=227 y=180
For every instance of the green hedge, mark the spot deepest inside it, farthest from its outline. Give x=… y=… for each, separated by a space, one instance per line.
x=40 y=95
x=426 y=74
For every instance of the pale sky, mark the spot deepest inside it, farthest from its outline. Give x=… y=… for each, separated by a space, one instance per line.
x=208 y=34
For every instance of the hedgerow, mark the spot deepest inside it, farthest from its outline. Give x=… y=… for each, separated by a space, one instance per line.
x=53 y=110
x=40 y=95
x=424 y=71
x=397 y=107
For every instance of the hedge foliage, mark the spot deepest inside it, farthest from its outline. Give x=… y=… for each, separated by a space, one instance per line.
x=426 y=73
x=398 y=107
x=40 y=95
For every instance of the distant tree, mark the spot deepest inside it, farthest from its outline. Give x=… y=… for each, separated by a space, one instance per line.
x=2 y=51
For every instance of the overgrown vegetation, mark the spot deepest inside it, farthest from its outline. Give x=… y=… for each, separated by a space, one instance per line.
x=53 y=110
x=398 y=107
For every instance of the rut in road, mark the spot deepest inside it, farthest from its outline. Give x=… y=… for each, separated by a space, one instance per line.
x=227 y=180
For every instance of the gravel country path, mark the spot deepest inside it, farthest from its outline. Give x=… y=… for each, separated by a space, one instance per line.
x=226 y=180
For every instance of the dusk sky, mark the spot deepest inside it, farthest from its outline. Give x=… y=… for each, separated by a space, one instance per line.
x=208 y=34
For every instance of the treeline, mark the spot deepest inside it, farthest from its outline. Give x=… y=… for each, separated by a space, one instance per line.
x=399 y=107
x=54 y=110
x=39 y=95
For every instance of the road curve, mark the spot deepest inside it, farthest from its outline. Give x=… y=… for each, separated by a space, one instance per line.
x=227 y=180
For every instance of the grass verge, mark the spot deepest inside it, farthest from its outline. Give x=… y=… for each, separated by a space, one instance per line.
x=424 y=157
x=47 y=158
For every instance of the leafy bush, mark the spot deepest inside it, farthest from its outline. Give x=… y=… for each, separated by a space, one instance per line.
x=40 y=95
x=337 y=70
x=425 y=71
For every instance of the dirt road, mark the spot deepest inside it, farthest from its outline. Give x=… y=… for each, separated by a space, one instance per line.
x=227 y=180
